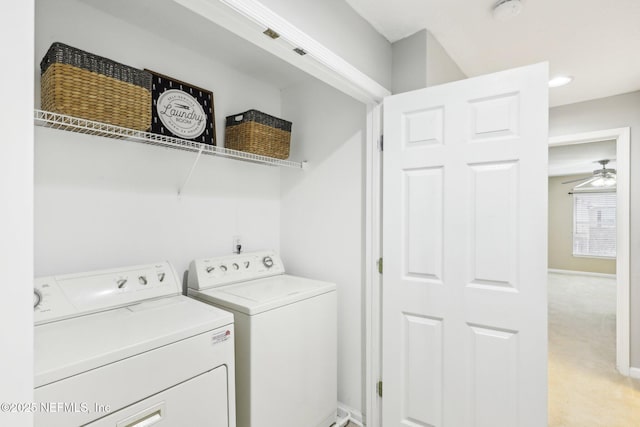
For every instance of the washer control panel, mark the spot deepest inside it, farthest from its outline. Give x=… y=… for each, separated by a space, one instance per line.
x=212 y=272
x=71 y=295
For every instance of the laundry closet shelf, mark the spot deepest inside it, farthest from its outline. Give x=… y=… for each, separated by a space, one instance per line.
x=89 y=127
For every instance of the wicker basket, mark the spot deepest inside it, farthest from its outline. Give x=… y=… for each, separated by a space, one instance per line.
x=80 y=84
x=258 y=133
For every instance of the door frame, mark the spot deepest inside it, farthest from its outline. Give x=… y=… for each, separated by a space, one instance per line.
x=249 y=18
x=373 y=279
x=622 y=136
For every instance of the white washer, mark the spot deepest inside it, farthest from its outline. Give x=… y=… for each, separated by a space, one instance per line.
x=286 y=345
x=123 y=348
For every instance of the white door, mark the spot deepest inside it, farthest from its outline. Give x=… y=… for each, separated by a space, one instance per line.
x=465 y=257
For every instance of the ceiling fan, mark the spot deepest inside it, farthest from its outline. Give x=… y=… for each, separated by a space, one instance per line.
x=604 y=177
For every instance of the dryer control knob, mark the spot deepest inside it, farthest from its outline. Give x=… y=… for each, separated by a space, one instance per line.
x=223 y=267
x=121 y=283
x=267 y=261
x=210 y=269
x=37 y=297
x=236 y=266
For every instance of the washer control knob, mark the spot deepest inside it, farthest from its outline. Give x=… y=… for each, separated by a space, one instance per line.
x=161 y=277
x=236 y=266
x=210 y=269
x=247 y=264
x=37 y=298
x=267 y=261
x=223 y=267
x=143 y=280
x=121 y=283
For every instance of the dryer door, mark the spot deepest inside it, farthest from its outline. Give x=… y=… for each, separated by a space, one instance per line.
x=201 y=401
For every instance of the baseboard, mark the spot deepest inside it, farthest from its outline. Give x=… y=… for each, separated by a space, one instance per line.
x=634 y=373
x=581 y=273
x=355 y=416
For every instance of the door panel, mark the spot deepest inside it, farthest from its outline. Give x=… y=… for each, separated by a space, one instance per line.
x=494 y=376
x=494 y=228
x=464 y=292
x=422 y=369
x=423 y=224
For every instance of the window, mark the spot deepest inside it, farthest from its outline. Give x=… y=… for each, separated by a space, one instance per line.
x=594 y=224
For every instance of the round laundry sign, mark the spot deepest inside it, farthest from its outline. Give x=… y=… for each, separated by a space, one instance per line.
x=181 y=113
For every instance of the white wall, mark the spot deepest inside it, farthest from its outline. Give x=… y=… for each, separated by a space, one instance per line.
x=607 y=113
x=322 y=213
x=16 y=227
x=409 y=68
x=337 y=26
x=103 y=203
x=440 y=67
x=420 y=61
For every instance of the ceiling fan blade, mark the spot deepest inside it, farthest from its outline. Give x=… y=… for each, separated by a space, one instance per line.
x=578 y=180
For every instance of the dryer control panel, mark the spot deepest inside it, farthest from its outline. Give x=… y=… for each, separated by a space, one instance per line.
x=71 y=295
x=219 y=271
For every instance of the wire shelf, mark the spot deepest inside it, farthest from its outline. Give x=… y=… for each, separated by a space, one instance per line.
x=75 y=124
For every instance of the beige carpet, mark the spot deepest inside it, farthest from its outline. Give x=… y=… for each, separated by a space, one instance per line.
x=584 y=387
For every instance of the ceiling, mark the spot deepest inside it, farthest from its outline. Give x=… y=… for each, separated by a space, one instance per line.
x=581 y=158
x=596 y=42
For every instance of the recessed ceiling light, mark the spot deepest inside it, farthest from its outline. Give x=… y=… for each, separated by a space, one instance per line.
x=560 y=81
x=507 y=9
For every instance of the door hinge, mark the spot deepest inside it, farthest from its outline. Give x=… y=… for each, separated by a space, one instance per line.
x=381 y=143
x=379 y=388
x=380 y=265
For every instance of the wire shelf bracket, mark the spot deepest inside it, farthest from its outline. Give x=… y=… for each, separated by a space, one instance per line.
x=193 y=168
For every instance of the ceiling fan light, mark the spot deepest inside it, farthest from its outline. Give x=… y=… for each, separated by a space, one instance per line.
x=597 y=184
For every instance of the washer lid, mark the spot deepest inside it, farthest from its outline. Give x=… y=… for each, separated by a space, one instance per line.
x=73 y=346
x=257 y=296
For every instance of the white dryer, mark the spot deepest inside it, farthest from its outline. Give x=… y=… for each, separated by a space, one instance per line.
x=124 y=348
x=286 y=344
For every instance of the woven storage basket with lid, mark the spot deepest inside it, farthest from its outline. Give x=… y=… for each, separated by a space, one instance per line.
x=258 y=133
x=81 y=84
